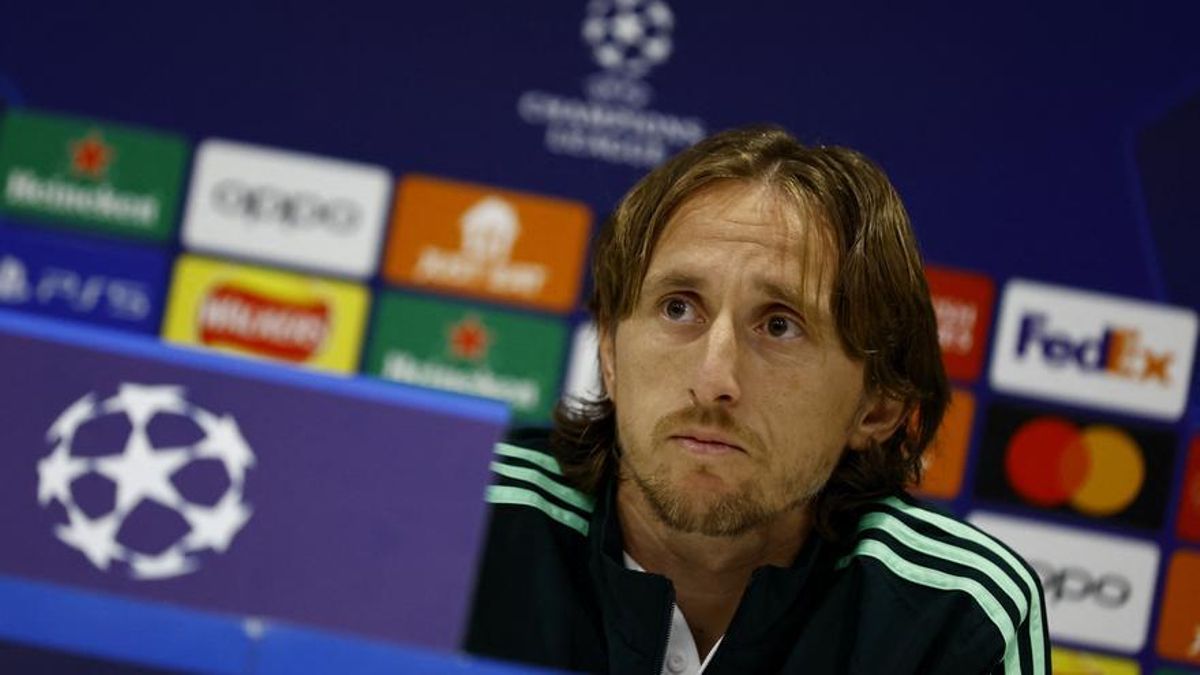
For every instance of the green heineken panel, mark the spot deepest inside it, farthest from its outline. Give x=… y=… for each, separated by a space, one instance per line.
x=469 y=349
x=90 y=175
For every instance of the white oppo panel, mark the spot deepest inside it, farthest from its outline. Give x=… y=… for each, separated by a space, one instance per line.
x=1099 y=588
x=286 y=208
x=583 y=372
x=1094 y=350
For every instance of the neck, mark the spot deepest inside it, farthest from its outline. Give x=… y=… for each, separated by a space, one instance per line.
x=709 y=573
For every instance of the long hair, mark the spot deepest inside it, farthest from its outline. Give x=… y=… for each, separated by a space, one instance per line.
x=880 y=300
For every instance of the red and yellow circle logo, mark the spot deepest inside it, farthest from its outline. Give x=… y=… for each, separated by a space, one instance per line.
x=1098 y=470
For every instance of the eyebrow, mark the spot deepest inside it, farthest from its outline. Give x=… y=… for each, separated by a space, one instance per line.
x=784 y=294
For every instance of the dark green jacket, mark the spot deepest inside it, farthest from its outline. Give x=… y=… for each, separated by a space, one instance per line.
x=911 y=591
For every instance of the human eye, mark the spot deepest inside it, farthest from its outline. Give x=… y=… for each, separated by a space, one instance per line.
x=782 y=327
x=679 y=310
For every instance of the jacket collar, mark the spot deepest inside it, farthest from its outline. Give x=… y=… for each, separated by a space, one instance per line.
x=637 y=605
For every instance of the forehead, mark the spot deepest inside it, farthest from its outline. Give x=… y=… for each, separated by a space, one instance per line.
x=768 y=234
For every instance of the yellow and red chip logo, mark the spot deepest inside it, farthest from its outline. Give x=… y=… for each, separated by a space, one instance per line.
x=258 y=323
x=482 y=242
x=1098 y=469
x=266 y=313
x=1076 y=662
x=946 y=457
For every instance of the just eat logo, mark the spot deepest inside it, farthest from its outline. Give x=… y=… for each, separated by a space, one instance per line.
x=1093 y=350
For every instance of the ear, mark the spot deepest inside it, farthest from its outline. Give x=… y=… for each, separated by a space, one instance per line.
x=607 y=355
x=876 y=420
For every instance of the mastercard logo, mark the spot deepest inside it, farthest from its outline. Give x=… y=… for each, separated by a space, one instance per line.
x=1098 y=469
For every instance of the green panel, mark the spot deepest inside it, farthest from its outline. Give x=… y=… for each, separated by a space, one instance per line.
x=469 y=349
x=90 y=175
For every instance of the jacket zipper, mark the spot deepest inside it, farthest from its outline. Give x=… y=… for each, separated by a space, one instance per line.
x=662 y=655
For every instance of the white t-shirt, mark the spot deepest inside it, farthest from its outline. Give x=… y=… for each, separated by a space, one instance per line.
x=683 y=658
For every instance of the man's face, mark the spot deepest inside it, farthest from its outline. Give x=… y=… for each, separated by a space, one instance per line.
x=733 y=394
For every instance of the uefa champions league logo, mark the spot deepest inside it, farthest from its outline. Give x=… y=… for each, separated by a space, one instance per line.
x=136 y=472
x=613 y=122
x=629 y=36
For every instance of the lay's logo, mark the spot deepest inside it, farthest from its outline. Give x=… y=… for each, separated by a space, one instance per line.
x=266 y=313
x=1094 y=350
x=289 y=331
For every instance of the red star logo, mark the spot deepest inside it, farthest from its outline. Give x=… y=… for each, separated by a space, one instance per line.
x=90 y=155
x=469 y=339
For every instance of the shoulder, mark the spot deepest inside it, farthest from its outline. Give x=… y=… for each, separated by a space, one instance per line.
x=528 y=483
x=925 y=552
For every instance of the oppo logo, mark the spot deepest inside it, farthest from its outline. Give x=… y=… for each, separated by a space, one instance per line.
x=294 y=210
x=1075 y=584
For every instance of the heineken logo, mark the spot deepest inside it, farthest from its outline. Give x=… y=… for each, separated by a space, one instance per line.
x=237 y=317
x=90 y=156
x=508 y=356
x=469 y=339
x=65 y=170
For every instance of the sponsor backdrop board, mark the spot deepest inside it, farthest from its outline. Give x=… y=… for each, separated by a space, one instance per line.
x=286 y=208
x=484 y=352
x=1117 y=354
x=255 y=311
x=1076 y=662
x=488 y=243
x=963 y=303
x=186 y=478
x=1188 y=522
x=1099 y=588
x=1083 y=468
x=106 y=283
x=91 y=175
x=946 y=459
x=569 y=110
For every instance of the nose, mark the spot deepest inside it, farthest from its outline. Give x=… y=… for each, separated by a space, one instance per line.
x=716 y=379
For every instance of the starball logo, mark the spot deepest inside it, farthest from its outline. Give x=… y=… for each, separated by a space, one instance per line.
x=612 y=122
x=1094 y=350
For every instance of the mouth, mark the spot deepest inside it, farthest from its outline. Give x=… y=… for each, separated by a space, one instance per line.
x=709 y=443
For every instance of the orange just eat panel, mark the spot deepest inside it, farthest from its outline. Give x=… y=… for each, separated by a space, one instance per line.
x=1179 y=622
x=477 y=241
x=946 y=457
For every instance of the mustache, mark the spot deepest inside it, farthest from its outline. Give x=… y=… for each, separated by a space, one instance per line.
x=712 y=418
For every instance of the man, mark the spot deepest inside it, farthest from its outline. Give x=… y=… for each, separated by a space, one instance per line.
x=735 y=503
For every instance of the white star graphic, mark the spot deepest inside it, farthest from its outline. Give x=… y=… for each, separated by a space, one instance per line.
x=96 y=539
x=627 y=28
x=215 y=527
x=142 y=472
x=140 y=402
x=223 y=440
x=657 y=49
x=169 y=564
x=55 y=473
x=64 y=427
x=660 y=14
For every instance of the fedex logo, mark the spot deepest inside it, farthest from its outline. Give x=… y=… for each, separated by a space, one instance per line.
x=1116 y=351
x=1095 y=350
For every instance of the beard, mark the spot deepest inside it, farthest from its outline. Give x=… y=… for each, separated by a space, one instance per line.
x=731 y=514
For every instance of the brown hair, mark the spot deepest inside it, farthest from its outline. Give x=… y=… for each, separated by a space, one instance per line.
x=880 y=301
